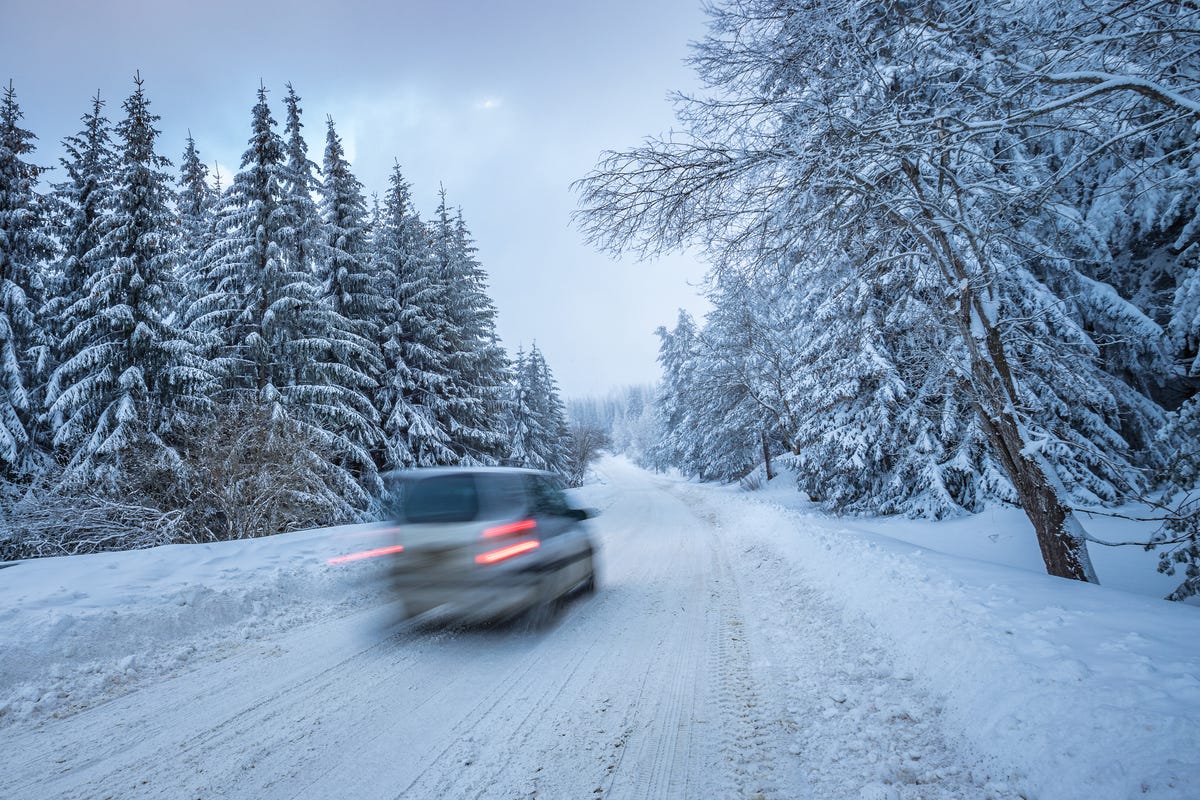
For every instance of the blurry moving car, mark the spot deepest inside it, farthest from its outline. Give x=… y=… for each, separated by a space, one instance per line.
x=488 y=543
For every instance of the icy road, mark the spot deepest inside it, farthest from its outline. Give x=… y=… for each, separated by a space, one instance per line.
x=705 y=667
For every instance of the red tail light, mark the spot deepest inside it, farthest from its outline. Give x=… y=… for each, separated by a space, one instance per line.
x=510 y=528
x=378 y=551
x=492 y=556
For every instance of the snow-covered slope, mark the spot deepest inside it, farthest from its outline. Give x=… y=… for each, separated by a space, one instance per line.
x=77 y=630
x=1087 y=691
x=737 y=643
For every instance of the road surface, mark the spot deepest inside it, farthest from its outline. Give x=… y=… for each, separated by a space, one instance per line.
x=701 y=669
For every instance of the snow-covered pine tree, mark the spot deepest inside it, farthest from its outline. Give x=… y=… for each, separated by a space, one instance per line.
x=740 y=407
x=80 y=200
x=521 y=421
x=352 y=300
x=673 y=404
x=348 y=281
x=413 y=345
x=475 y=393
x=133 y=375
x=538 y=420
x=277 y=335
x=305 y=235
x=558 y=448
x=195 y=205
x=24 y=245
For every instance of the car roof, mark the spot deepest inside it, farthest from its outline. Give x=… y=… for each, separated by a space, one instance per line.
x=431 y=472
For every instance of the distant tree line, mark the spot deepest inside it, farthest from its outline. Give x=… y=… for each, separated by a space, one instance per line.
x=181 y=361
x=955 y=258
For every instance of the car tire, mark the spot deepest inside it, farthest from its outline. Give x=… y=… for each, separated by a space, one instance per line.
x=588 y=587
x=541 y=614
x=415 y=609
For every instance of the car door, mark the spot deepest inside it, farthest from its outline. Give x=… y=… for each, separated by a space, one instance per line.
x=549 y=510
x=561 y=534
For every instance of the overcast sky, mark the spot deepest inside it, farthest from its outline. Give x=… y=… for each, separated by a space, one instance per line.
x=505 y=102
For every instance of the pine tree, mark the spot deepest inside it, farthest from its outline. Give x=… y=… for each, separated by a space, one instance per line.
x=351 y=303
x=538 y=421
x=742 y=409
x=278 y=337
x=346 y=274
x=81 y=200
x=133 y=374
x=349 y=283
x=673 y=406
x=475 y=390
x=304 y=235
x=195 y=204
x=23 y=247
x=414 y=351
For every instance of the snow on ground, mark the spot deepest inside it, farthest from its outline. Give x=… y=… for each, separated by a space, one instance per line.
x=1088 y=691
x=740 y=641
x=77 y=630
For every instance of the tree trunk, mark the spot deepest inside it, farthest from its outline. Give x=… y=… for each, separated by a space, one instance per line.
x=1060 y=535
x=766 y=455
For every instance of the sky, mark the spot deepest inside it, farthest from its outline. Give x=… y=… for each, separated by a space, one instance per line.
x=502 y=103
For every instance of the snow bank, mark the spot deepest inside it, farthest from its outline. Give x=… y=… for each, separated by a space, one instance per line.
x=77 y=630
x=1085 y=691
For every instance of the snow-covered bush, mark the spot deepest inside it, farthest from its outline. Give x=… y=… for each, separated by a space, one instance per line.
x=253 y=471
x=44 y=521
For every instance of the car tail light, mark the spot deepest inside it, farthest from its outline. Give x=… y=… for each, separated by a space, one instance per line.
x=492 y=556
x=378 y=551
x=510 y=528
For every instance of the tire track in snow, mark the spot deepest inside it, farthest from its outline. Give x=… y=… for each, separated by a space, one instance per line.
x=510 y=712
x=749 y=742
x=174 y=730
x=844 y=721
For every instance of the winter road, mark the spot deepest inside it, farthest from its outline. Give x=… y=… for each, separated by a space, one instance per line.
x=702 y=669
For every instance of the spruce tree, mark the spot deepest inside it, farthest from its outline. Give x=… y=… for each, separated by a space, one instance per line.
x=278 y=337
x=133 y=376
x=413 y=346
x=350 y=306
x=349 y=284
x=673 y=406
x=538 y=429
x=195 y=204
x=24 y=245
x=303 y=235
x=475 y=393
x=81 y=200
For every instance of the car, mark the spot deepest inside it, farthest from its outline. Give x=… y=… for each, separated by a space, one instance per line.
x=482 y=544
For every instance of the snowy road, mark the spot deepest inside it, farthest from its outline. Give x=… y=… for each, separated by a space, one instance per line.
x=704 y=668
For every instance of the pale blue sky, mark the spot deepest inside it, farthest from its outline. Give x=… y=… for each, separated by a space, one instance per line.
x=504 y=102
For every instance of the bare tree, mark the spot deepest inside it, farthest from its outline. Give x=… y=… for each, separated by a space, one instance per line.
x=584 y=444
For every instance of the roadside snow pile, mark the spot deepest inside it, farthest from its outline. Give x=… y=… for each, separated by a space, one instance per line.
x=1084 y=691
x=77 y=630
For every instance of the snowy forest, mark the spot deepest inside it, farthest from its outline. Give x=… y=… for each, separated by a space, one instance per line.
x=954 y=260
x=182 y=361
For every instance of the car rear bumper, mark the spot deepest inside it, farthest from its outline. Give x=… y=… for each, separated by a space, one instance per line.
x=474 y=595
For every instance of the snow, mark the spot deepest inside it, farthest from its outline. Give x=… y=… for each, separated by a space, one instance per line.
x=1090 y=691
x=80 y=629
x=740 y=642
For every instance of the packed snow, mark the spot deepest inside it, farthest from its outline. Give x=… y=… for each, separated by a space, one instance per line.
x=741 y=645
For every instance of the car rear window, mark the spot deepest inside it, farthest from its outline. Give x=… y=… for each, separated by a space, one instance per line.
x=446 y=498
